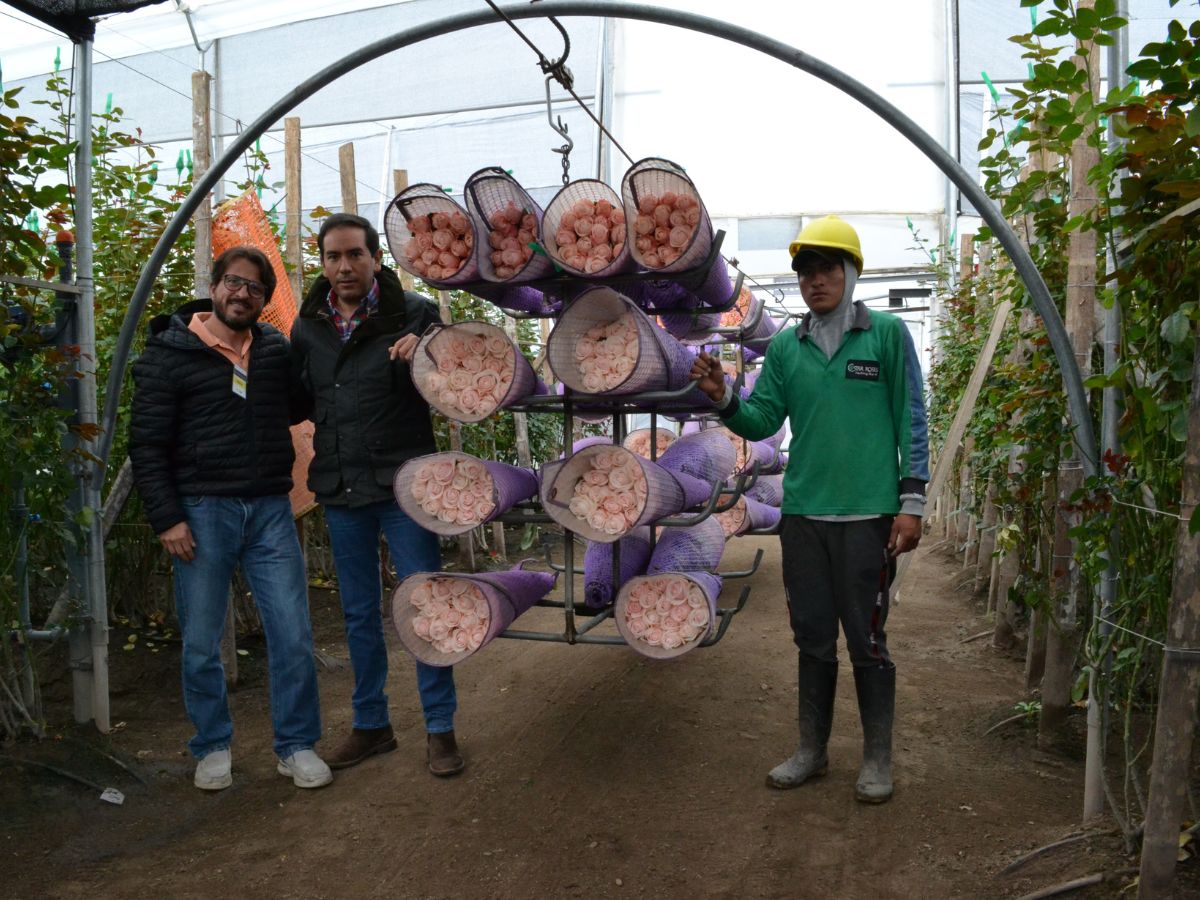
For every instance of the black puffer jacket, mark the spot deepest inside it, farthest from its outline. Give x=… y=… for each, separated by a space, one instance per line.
x=368 y=414
x=190 y=435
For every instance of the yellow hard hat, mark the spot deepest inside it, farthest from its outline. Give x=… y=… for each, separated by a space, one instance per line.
x=828 y=233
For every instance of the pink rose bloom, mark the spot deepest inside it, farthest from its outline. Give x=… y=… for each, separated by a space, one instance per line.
x=564 y=237
x=603 y=252
x=671 y=640
x=583 y=246
x=693 y=216
x=595 y=265
x=643 y=225
x=495 y=239
x=448 y=261
x=612 y=505
x=473 y=365
x=677 y=218
x=583 y=226
x=485 y=382
x=451 y=616
x=598 y=233
x=440 y=220
x=461 y=641
x=668 y=255
x=637 y=628
x=430 y=256
x=647 y=204
x=459 y=223
x=634 y=606
x=460 y=480
x=662 y=234
x=583 y=208
x=653 y=636
x=419 y=225
x=617 y=217
x=644 y=244
x=698 y=618
x=616 y=234
x=621 y=479
x=420 y=627
x=418 y=490
x=582 y=507
x=440 y=589
x=662 y=215
x=512 y=258
x=669 y=198
x=425 y=242
x=568 y=220
x=469 y=400
x=438 y=630
x=679 y=236
x=651 y=261
x=679 y=614
x=676 y=590
x=434 y=272
x=418 y=266
x=450 y=497
x=662 y=606
x=442 y=239
x=460 y=379
x=593 y=383
x=445 y=364
x=443 y=471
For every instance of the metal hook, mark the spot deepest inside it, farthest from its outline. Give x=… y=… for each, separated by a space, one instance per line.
x=560 y=127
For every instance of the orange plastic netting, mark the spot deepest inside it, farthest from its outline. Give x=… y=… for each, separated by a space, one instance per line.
x=243 y=221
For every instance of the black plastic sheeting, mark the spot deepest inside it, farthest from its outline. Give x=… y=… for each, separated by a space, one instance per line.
x=74 y=18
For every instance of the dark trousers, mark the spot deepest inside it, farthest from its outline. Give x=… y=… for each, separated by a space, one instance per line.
x=838 y=572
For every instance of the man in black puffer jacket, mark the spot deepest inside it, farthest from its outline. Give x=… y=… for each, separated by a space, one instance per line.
x=212 y=458
x=353 y=339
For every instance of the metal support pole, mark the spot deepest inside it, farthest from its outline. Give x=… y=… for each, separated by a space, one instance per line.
x=89 y=641
x=1083 y=431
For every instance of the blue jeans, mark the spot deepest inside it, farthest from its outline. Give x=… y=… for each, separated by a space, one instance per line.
x=259 y=534
x=354 y=536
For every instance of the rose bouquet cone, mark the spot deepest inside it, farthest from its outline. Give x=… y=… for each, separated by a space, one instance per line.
x=432 y=237
x=442 y=619
x=451 y=493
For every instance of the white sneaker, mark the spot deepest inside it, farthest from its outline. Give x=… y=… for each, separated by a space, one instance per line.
x=212 y=772
x=306 y=769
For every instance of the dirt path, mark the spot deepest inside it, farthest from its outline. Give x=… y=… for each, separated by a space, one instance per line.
x=592 y=773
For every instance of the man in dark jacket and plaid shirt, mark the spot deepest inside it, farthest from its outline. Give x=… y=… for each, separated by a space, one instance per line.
x=354 y=338
x=212 y=458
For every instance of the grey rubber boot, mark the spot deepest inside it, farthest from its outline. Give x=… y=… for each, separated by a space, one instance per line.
x=817 y=680
x=876 y=688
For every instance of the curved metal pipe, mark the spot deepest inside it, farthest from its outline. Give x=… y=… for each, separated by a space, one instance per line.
x=1077 y=404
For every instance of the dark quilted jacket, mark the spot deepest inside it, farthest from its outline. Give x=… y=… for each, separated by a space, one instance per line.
x=190 y=435
x=369 y=417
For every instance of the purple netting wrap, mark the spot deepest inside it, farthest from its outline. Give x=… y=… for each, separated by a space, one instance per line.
x=429 y=234
x=655 y=493
x=705 y=455
x=767 y=489
x=669 y=228
x=664 y=616
x=506 y=595
x=451 y=493
x=748 y=453
x=518 y=298
x=747 y=515
x=603 y=343
x=572 y=238
x=512 y=222
x=598 y=588
x=758 y=337
x=469 y=370
x=697 y=548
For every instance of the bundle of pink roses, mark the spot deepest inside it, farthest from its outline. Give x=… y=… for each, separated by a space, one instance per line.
x=606 y=354
x=473 y=376
x=664 y=227
x=666 y=611
x=611 y=494
x=512 y=232
x=458 y=491
x=733 y=520
x=590 y=235
x=639 y=442
x=440 y=244
x=452 y=614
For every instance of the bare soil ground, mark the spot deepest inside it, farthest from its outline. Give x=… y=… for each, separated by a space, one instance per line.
x=591 y=773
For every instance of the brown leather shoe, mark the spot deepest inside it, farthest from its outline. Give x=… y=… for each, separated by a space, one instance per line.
x=441 y=751
x=361 y=744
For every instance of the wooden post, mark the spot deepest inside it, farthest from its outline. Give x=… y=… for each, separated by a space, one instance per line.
x=1175 y=721
x=346 y=173
x=965 y=520
x=400 y=183
x=1069 y=589
x=293 y=248
x=466 y=550
x=987 y=539
x=201 y=161
x=966 y=258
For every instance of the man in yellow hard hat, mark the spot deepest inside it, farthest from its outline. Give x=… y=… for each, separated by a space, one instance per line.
x=849 y=381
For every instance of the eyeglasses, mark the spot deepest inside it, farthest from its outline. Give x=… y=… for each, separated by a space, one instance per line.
x=255 y=289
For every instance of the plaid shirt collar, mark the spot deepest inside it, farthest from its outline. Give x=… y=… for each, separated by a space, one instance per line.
x=368 y=307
